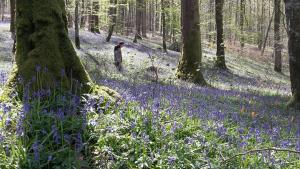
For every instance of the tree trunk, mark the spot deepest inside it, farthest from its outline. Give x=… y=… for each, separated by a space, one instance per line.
x=70 y=17
x=113 y=18
x=77 y=39
x=138 y=20
x=12 y=23
x=277 y=42
x=189 y=67
x=83 y=14
x=163 y=15
x=220 y=63
x=43 y=45
x=267 y=35
x=242 y=20
x=95 y=17
x=144 y=19
x=292 y=9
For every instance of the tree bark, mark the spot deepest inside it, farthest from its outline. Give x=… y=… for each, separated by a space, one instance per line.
x=292 y=9
x=95 y=17
x=43 y=45
x=163 y=15
x=113 y=18
x=242 y=20
x=83 y=14
x=189 y=67
x=138 y=20
x=277 y=41
x=77 y=39
x=220 y=62
x=12 y=23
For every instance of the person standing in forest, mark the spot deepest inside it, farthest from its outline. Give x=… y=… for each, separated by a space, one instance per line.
x=118 y=56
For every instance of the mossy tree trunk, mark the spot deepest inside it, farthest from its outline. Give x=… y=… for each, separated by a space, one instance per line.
x=220 y=62
x=43 y=44
x=189 y=67
x=292 y=9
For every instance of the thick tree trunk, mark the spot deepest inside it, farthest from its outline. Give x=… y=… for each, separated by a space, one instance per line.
x=220 y=62
x=292 y=9
x=43 y=45
x=277 y=42
x=163 y=15
x=77 y=39
x=189 y=67
x=113 y=18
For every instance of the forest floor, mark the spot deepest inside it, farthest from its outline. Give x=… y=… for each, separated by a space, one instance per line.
x=247 y=79
x=250 y=93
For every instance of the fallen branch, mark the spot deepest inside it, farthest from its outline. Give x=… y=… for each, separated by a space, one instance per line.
x=261 y=150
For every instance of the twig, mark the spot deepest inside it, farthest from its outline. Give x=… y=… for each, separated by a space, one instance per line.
x=261 y=150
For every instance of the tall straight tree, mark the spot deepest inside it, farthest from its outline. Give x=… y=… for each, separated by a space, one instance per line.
x=163 y=18
x=189 y=67
x=220 y=62
x=277 y=42
x=12 y=23
x=43 y=42
x=113 y=18
x=138 y=19
x=242 y=20
x=292 y=9
x=77 y=39
x=94 y=17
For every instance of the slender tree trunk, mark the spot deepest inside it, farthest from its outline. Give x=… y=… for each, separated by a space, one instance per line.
x=113 y=18
x=189 y=67
x=267 y=35
x=163 y=15
x=12 y=23
x=144 y=19
x=83 y=14
x=95 y=17
x=277 y=41
x=43 y=43
x=292 y=9
x=138 y=19
x=77 y=39
x=220 y=63
x=69 y=15
x=242 y=20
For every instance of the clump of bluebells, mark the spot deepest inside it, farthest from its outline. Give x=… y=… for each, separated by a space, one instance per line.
x=43 y=128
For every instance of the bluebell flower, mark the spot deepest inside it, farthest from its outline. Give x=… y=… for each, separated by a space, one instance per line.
x=37 y=68
x=56 y=135
x=35 y=148
x=172 y=160
x=78 y=142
